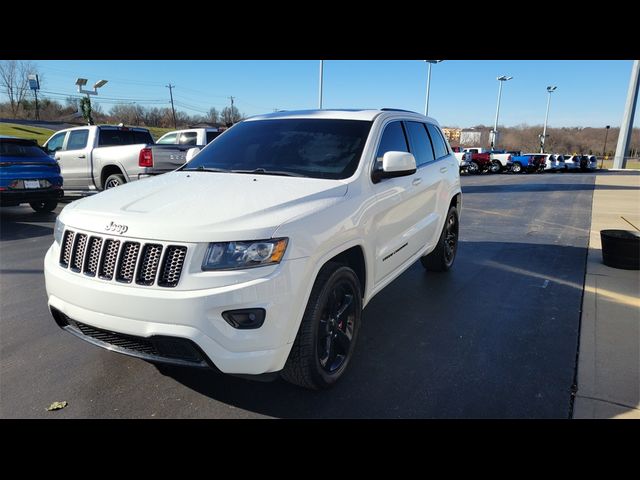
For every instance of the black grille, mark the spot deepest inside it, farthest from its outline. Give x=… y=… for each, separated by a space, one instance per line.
x=77 y=257
x=66 y=248
x=148 y=268
x=156 y=348
x=127 y=263
x=172 y=266
x=93 y=256
x=108 y=258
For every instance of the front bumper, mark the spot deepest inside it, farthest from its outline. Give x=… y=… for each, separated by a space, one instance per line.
x=18 y=196
x=193 y=315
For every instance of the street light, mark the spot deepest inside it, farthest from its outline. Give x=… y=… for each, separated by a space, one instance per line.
x=494 y=132
x=81 y=82
x=550 y=90
x=426 y=103
x=604 y=149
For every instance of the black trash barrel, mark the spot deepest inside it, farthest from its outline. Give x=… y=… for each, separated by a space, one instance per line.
x=621 y=249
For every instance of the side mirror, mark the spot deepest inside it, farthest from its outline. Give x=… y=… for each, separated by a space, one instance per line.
x=395 y=164
x=192 y=152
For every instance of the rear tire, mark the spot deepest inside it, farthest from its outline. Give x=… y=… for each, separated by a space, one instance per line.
x=473 y=168
x=329 y=330
x=44 y=206
x=442 y=257
x=114 y=180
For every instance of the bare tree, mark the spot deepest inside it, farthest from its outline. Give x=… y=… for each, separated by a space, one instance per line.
x=213 y=116
x=13 y=77
x=230 y=115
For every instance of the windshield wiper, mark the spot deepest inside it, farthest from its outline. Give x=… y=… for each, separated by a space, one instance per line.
x=201 y=168
x=262 y=171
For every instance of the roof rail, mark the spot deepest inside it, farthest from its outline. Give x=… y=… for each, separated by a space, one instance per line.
x=396 y=110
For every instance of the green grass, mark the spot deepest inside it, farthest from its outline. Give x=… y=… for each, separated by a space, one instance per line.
x=157 y=132
x=25 y=131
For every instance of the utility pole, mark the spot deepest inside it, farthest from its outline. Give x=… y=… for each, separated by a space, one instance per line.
x=170 y=87
x=231 y=98
x=626 y=128
x=320 y=84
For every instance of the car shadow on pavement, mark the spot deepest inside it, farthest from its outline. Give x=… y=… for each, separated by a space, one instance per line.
x=16 y=223
x=494 y=338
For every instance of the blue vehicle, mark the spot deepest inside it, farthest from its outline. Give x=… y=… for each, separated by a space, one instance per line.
x=529 y=162
x=28 y=175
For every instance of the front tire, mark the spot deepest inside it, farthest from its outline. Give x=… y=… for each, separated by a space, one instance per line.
x=473 y=168
x=442 y=257
x=114 y=180
x=516 y=168
x=329 y=329
x=44 y=206
x=496 y=166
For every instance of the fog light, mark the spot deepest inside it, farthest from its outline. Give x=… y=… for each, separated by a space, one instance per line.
x=246 y=318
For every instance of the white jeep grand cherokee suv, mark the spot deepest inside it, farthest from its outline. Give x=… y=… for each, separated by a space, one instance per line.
x=259 y=254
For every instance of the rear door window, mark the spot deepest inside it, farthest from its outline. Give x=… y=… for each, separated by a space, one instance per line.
x=188 y=138
x=420 y=143
x=77 y=139
x=439 y=146
x=212 y=135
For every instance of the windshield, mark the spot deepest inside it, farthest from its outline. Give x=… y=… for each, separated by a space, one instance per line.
x=318 y=148
x=21 y=149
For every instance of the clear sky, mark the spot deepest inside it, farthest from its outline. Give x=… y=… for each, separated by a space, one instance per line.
x=463 y=92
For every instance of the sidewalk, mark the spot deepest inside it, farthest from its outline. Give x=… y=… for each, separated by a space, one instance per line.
x=609 y=358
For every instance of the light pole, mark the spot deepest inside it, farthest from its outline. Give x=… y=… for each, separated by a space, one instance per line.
x=426 y=103
x=320 y=86
x=81 y=82
x=604 y=149
x=543 y=138
x=494 y=132
x=626 y=126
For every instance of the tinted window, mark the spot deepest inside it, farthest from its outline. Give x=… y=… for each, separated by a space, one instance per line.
x=110 y=137
x=393 y=140
x=420 y=144
x=77 y=139
x=188 y=138
x=319 y=148
x=56 y=142
x=439 y=147
x=168 y=139
x=20 y=148
x=212 y=135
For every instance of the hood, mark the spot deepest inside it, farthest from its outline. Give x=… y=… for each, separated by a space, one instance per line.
x=203 y=206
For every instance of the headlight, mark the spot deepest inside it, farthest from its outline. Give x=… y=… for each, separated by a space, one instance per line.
x=57 y=232
x=236 y=255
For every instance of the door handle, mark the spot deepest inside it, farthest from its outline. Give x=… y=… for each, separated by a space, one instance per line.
x=82 y=156
x=443 y=169
x=416 y=181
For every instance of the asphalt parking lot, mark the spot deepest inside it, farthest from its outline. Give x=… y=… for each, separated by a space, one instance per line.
x=497 y=337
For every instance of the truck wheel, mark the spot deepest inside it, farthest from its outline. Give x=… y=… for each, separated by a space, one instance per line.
x=516 y=168
x=496 y=166
x=473 y=167
x=329 y=329
x=44 y=205
x=114 y=180
x=442 y=257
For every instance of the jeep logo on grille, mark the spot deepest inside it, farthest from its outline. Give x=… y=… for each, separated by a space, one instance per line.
x=114 y=227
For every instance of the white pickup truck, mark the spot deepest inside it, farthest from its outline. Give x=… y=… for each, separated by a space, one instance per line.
x=259 y=255
x=190 y=136
x=99 y=157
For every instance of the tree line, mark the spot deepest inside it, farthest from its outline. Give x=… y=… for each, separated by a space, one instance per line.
x=20 y=104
